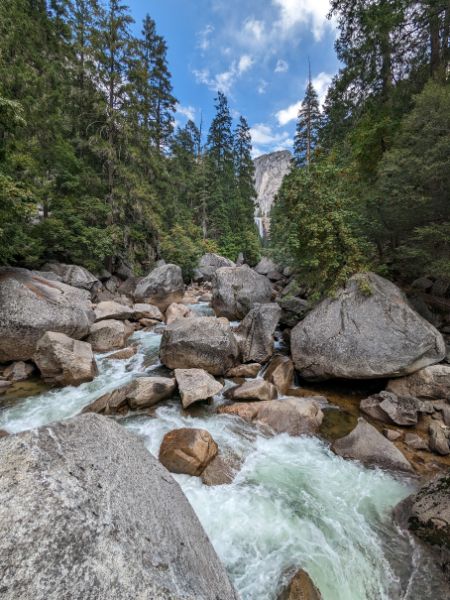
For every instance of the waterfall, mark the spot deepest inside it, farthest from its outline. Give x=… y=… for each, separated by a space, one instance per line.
x=260 y=225
x=263 y=225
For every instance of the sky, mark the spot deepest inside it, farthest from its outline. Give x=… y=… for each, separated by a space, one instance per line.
x=255 y=51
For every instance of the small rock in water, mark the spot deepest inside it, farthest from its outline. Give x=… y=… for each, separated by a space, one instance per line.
x=142 y=392
x=124 y=354
x=19 y=371
x=294 y=416
x=258 y=389
x=301 y=587
x=187 y=451
x=195 y=385
x=280 y=372
x=221 y=470
x=250 y=370
x=148 y=322
x=177 y=311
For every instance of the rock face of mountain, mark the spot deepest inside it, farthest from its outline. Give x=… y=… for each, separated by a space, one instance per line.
x=269 y=172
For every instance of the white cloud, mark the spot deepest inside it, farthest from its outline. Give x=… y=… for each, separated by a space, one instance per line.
x=245 y=63
x=263 y=135
x=262 y=87
x=306 y=12
x=254 y=29
x=281 y=66
x=321 y=84
x=288 y=114
x=204 y=37
x=224 y=81
x=186 y=111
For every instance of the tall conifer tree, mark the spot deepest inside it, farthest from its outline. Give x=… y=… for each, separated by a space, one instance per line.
x=308 y=127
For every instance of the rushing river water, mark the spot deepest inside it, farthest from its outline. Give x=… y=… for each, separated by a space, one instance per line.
x=293 y=504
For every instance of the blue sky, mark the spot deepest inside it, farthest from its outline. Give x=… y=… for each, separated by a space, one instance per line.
x=255 y=51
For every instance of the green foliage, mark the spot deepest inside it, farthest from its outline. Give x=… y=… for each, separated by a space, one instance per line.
x=183 y=246
x=412 y=197
x=315 y=226
x=309 y=122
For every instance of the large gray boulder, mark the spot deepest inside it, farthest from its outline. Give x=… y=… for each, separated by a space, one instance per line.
x=208 y=265
x=265 y=266
x=87 y=512
x=255 y=332
x=31 y=305
x=369 y=446
x=431 y=383
x=237 y=289
x=74 y=275
x=161 y=287
x=64 y=361
x=200 y=342
x=368 y=330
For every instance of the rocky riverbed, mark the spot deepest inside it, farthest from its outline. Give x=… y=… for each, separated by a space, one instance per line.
x=287 y=475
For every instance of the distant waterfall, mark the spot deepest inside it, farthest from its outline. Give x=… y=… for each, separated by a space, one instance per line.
x=260 y=226
x=263 y=225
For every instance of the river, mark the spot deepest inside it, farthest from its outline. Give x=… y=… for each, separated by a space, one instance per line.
x=293 y=504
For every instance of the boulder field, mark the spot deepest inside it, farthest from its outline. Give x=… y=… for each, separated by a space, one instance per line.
x=366 y=331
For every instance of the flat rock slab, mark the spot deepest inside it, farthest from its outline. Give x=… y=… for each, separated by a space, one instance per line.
x=142 y=392
x=86 y=512
x=369 y=446
x=294 y=416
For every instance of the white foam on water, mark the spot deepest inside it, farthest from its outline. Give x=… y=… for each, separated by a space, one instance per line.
x=61 y=403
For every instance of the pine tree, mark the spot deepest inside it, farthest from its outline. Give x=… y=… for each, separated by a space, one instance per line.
x=221 y=179
x=309 y=122
x=244 y=212
x=152 y=88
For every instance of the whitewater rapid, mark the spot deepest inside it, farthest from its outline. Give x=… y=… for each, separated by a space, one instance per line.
x=293 y=504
